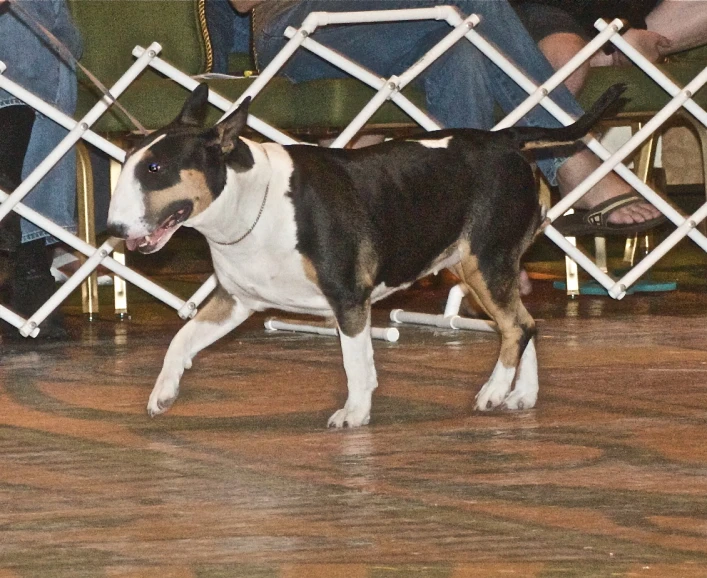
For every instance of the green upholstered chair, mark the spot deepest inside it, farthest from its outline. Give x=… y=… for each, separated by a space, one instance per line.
x=111 y=29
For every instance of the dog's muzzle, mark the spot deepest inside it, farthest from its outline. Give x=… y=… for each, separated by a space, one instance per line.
x=155 y=240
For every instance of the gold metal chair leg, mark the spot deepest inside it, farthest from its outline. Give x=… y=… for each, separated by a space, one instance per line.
x=87 y=225
x=600 y=253
x=646 y=159
x=120 y=289
x=644 y=246
x=630 y=249
x=637 y=247
x=702 y=136
x=644 y=170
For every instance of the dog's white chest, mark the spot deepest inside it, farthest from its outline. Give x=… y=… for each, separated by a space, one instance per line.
x=265 y=279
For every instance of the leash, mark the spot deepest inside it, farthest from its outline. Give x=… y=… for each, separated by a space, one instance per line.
x=260 y=212
x=65 y=53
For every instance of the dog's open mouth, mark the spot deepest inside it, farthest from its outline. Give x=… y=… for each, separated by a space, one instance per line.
x=159 y=237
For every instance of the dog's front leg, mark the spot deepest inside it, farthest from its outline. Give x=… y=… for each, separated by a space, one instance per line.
x=220 y=315
x=357 y=350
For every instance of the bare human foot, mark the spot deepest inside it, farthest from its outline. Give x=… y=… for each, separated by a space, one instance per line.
x=579 y=166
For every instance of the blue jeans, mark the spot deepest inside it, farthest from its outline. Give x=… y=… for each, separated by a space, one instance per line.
x=229 y=31
x=462 y=87
x=34 y=65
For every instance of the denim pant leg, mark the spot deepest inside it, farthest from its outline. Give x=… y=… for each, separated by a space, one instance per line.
x=55 y=195
x=33 y=64
x=385 y=49
x=379 y=47
x=502 y=28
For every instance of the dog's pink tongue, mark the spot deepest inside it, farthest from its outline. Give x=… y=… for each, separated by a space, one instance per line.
x=132 y=244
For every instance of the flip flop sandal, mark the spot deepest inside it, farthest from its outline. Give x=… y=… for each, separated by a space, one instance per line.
x=595 y=221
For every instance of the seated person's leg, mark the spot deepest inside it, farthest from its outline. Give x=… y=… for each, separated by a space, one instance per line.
x=583 y=163
x=27 y=282
x=220 y=17
x=559 y=48
x=229 y=32
x=560 y=37
x=386 y=48
x=459 y=90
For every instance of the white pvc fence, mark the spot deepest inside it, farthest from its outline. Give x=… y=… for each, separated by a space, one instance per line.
x=461 y=29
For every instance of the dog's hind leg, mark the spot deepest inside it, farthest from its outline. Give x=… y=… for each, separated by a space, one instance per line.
x=525 y=392
x=357 y=350
x=498 y=293
x=220 y=315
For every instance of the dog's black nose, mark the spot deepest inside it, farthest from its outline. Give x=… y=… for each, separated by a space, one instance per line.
x=118 y=230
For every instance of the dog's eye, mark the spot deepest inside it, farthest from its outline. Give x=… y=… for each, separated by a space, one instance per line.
x=153 y=167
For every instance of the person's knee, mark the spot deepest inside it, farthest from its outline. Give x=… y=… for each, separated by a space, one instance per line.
x=558 y=48
x=457 y=88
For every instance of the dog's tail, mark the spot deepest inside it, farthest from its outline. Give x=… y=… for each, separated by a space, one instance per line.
x=536 y=138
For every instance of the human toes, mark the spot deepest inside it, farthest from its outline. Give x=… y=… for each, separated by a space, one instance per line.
x=637 y=212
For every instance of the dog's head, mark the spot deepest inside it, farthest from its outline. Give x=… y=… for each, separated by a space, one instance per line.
x=176 y=173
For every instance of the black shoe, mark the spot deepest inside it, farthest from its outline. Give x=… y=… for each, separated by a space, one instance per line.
x=16 y=123
x=32 y=285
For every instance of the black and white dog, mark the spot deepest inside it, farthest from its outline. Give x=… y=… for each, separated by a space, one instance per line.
x=327 y=232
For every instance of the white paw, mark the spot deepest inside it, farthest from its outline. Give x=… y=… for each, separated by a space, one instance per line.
x=163 y=395
x=350 y=417
x=491 y=396
x=519 y=399
x=525 y=393
x=496 y=388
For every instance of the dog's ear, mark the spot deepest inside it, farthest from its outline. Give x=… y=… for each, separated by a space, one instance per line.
x=194 y=110
x=225 y=134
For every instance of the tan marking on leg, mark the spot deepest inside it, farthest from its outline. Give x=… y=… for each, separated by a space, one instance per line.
x=510 y=318
x=365 y=267
x=469 y=291
x=366 y=264
x=310 y=272
x=218 y=308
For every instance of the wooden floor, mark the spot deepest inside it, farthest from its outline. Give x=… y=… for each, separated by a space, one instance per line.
x=606 y=477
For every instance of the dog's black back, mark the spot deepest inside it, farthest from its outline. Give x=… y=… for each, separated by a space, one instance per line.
x=405 y=194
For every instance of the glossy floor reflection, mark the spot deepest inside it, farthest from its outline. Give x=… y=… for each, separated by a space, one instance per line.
x=607 y=477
